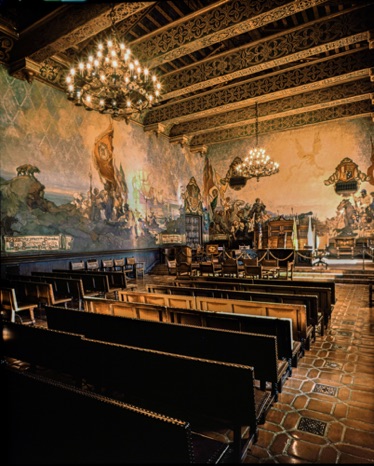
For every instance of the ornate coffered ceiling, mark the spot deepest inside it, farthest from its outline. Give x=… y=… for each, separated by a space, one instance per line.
x=303 y=61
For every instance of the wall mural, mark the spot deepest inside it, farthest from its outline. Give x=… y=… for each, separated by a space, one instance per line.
x=73 y=180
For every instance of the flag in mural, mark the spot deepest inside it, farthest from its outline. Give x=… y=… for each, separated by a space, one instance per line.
x=120 y=176
x=208 y=181
x=103 y=158
x=210 y=190
x=295 y=242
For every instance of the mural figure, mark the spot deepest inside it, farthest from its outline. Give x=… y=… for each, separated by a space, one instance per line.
x=364 y=204
x=349 y=214
x=192 y=198
x=258 y=211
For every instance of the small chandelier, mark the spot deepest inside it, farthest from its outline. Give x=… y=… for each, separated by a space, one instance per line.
x=112 y=82
x=257 y=164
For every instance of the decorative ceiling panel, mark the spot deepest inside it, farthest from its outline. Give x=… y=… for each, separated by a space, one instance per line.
x=303 y=61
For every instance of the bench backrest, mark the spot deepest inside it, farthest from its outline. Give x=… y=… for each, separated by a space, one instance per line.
x=93 y=282
x=325 y=283
x=315 y=299
x=279 y=327
x=25 y=290
x=74 y=285
x=116 y=279
x=86 y=428
x=41 y=346
x=259 y=351
x=161 y=299
x=310 y=302
x=125 y=309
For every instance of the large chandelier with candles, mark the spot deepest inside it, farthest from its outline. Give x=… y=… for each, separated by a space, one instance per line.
x=257 y=164
x=111 y=81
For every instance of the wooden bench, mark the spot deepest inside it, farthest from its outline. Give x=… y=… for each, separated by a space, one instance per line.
x=213 y=396
x=30 y=291
x=210 y=343
x=94 y=283
x=114 y=282
x=42 y=348
x=310 y=301
x=319 y=311
x=86 y=428
x=288 y=348
x=325 y=283
x=63 y=285
x=11 y=308
x=59 y=294
x=303 y=331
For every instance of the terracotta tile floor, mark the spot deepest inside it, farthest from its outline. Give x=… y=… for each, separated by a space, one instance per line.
x=325 y=413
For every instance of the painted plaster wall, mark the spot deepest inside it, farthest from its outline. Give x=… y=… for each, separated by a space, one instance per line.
x=38 y=126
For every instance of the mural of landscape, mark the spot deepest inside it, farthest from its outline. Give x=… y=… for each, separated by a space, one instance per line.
x=77 y=181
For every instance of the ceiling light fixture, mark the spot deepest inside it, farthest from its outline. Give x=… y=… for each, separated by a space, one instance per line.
x=113 y=82
x=257 y=164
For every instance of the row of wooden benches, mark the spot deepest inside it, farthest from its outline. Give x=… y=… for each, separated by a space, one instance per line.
x=302 y=309
x=323 y=289
x=21 y=293
x=299 y=282
x=187 y=313
x=179 y=371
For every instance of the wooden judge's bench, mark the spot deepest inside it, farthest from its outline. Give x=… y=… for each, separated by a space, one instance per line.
x=277 y=241
x=277 y=234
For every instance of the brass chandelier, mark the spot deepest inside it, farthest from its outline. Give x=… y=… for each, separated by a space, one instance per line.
x=112 y=81
x=257 y=164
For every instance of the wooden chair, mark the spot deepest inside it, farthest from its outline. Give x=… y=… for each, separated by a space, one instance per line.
x=136 y=268
x=208 y=268
x=253 y=271
x=107 y=265
x=119 y=264
x=92 y=264
x=77 y=265
x=270 y=268
x=172 y=266
x=230 y=267
x=184 y=269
